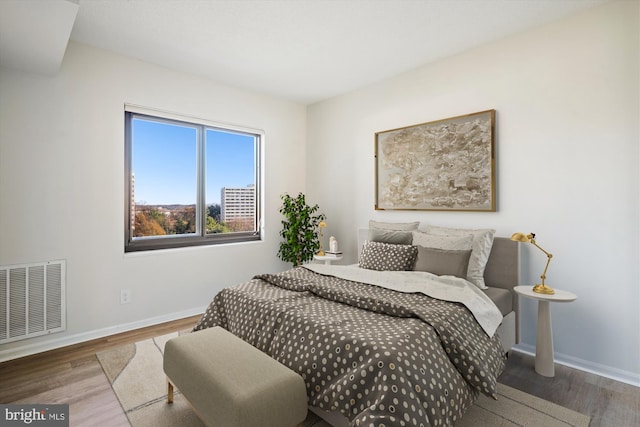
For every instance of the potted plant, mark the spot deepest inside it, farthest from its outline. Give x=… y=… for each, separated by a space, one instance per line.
x=300 y=240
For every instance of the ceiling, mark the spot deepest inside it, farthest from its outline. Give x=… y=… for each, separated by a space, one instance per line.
x=304 y=50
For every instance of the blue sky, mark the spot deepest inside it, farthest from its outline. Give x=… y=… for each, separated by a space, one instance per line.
x=164 y=163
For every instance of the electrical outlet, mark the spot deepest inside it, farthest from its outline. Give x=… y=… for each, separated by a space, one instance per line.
x=125 y=296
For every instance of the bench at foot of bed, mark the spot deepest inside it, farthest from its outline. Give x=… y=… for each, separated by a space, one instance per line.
x=230 y=383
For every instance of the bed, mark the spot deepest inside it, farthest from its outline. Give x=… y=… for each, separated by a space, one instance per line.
x=371 y=349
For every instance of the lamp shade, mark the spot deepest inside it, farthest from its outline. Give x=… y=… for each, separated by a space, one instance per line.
x=520 y=237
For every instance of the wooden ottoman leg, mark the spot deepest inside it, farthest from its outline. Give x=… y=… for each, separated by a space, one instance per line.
x=169 y=391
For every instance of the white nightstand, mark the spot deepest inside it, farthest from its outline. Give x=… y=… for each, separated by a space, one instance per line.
x=327 y=259
x=544 y=336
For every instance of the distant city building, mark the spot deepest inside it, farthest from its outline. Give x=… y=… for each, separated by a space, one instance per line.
x=237 y=203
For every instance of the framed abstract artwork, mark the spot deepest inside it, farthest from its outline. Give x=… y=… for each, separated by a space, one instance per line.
x=444 y=165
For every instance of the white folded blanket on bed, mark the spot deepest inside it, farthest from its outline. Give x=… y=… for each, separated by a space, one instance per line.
x=446 y=288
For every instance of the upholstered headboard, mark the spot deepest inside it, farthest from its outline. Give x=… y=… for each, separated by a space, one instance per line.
x=503 y=266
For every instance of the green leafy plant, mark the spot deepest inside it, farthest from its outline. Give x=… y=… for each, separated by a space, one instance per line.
x=299 y=230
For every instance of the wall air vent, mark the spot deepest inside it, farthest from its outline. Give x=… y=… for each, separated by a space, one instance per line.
x=32 y=300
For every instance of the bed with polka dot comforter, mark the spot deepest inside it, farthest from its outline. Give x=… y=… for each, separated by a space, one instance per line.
x=379 y=357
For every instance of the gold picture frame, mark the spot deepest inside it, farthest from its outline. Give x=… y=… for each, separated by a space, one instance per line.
x=444 y=165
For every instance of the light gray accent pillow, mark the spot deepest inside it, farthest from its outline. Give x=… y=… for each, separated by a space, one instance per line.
x=387 y=257
x=452 y=243
x=389 y=236
x=443 y=262
x=480 y=249
x=394 y=226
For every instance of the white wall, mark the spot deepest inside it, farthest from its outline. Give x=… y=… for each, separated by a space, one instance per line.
x=62 y=189
x=567 y=102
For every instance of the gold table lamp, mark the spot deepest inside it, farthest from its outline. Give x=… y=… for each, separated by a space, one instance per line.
x=540 y=288
x=321 y=225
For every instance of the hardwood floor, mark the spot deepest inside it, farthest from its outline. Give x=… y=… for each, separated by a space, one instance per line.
x=608 y=402
x=73 y=375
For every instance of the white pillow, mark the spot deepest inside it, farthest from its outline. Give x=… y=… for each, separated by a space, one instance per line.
x=480 y=249
x=450 y=243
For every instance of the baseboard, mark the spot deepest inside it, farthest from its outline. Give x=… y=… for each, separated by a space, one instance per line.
x=585 y=365
x=52 y=344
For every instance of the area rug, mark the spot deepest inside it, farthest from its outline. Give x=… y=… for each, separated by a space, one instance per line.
x=136 y=375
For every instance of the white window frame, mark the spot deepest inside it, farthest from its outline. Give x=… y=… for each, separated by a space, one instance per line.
x=200 y=237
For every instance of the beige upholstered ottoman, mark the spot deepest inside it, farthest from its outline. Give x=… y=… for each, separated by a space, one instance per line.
x=230 y=383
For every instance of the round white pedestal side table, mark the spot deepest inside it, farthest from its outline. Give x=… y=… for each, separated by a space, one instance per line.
x=544 y=335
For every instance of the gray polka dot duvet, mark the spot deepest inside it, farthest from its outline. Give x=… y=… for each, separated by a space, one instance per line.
x=380 y=357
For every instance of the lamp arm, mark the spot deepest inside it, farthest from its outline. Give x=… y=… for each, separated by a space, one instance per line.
x=549 y=256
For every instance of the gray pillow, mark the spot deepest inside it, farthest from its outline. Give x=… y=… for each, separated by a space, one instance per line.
x=480 y=249
x=394 y=226
x=387 y=257
x=389 y=236
x=442 y=262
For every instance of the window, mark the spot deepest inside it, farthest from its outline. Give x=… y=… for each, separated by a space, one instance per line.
x=189 y=182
